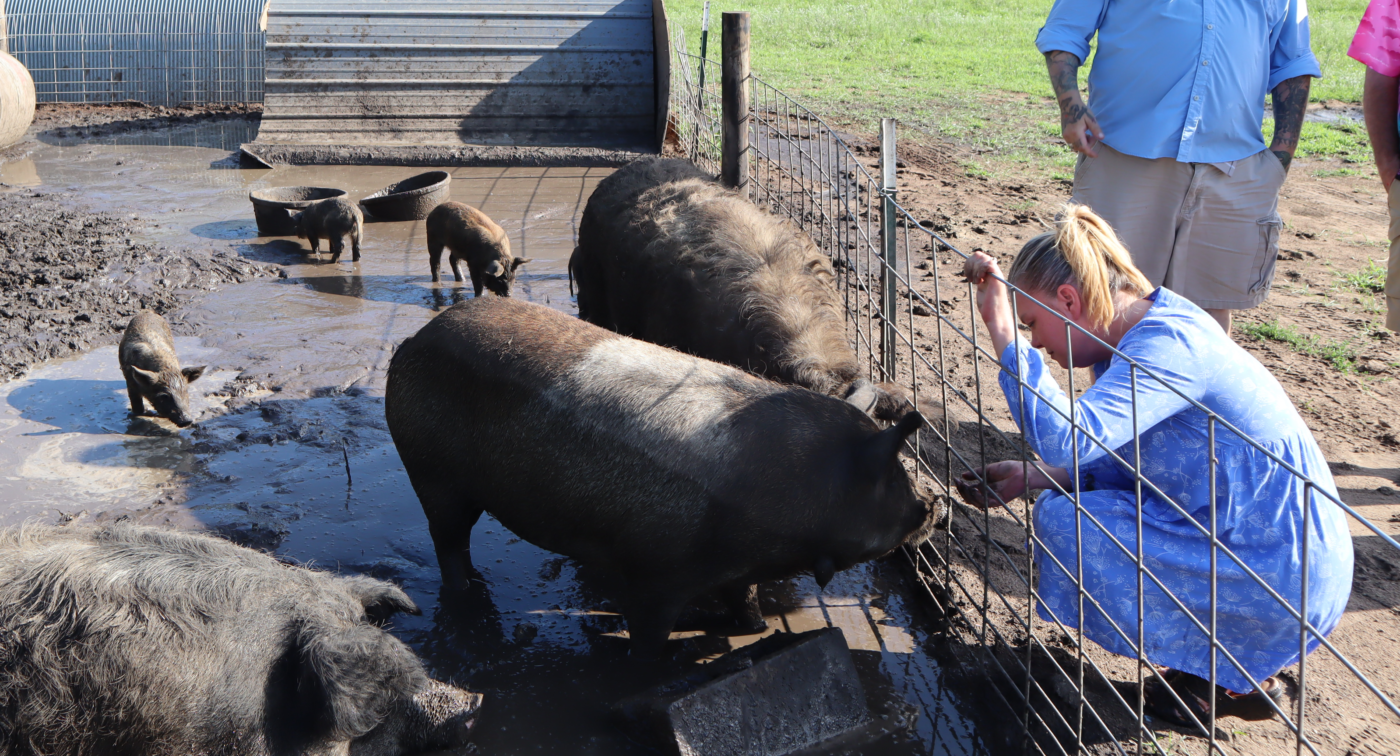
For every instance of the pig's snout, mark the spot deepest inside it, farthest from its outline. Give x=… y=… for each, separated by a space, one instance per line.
x=447 y=712
x=927 y=515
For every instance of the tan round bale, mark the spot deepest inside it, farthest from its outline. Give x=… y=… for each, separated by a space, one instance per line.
x=16 y=100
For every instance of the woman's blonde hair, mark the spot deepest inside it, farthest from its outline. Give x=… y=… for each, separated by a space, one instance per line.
x=1082 y=251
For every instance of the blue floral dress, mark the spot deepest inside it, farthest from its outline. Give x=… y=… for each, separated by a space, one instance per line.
x=1259 y=504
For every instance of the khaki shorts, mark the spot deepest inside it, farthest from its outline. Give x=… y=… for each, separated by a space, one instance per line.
x=1207 y=235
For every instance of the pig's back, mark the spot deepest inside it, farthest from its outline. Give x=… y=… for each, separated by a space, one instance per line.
x=147 y=342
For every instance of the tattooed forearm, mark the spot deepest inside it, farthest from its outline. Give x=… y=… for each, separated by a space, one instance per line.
x=1290 y=104
x=1077 y=124
x=1064 y=75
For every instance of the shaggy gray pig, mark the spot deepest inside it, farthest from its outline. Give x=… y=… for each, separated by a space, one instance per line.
x=130 y=640
x=668 y=475
x=332 y=219
x=153 y=372
x=472 y=237
x=667 y=255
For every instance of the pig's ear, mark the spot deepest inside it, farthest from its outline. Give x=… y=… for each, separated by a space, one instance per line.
x=495 y=269
x=381 y=600
x=145 y=378
x=862 y=395
x=517 y=262
x=192 y=374
x=350 y=677
x=880 y=450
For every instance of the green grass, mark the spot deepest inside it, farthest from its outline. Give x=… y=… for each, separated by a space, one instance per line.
x=1341 y=355
x=1336 y=172
x=1371 y=280
x=965 y=70
x=926 y=49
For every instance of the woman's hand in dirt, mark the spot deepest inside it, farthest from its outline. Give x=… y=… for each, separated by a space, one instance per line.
x=993 y=299
x=1007 y=480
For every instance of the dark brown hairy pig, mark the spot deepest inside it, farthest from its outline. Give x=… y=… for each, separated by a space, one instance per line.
x=332 y=219
x=471 y=237
x=152 y=370
x=668 y=475
x=140 y=641
x=667 y=255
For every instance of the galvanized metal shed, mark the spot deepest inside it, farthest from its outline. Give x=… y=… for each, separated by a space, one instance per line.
x=548 y=73
x=160 y=52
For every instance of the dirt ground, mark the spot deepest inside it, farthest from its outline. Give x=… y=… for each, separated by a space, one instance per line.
x=78 y=120
x=1347 y=392
x=71 y=279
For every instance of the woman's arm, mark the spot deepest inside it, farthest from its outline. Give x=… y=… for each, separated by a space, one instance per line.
x=1379 y=102
x=993 y=299
x=1112 y=411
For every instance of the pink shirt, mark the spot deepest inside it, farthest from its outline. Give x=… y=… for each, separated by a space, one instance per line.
x=1377 y=40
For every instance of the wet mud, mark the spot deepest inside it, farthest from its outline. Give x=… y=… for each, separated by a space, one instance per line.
x=71 y=279
x=290 y=452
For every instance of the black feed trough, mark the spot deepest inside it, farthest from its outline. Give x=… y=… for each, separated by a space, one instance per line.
x=410 y=199
x=273 y=208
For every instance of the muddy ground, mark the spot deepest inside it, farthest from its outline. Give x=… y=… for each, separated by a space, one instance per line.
x=1341 y=372
x=70 y=279
x=290 y=452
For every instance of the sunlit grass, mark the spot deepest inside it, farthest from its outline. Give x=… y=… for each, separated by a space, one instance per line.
x=1340 y=354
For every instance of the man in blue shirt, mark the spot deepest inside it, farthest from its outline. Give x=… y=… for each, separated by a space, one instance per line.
x=1172 y=153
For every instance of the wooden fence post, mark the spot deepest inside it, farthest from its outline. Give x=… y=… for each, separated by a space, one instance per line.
x=734 y=163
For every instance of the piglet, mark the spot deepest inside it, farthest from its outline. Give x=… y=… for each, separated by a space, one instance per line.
x=472 y=237
x=153 y=372
x=332 y=219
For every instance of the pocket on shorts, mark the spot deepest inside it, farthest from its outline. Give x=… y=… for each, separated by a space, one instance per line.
x=1269 y=229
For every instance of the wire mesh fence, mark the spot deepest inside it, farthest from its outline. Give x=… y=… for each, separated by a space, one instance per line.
x=1023 y=584
x=153 y=55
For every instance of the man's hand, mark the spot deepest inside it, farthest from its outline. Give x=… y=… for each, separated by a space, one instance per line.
x=1077 y=123
x=1290 y=105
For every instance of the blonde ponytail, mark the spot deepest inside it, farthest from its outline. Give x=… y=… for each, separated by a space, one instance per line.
x=1082 y=251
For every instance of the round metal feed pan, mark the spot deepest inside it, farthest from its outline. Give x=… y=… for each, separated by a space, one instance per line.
x=410 y=199
x=273 y=208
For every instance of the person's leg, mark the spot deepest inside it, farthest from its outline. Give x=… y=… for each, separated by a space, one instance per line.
x=1227 y=244
x=1392 y=276
x=1140 y=198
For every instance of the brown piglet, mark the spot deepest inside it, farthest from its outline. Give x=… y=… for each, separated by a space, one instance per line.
x=472 y=237
x=153 y=372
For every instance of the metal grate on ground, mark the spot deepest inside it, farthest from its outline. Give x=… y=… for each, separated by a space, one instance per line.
x=177 y=52
x=978 y=571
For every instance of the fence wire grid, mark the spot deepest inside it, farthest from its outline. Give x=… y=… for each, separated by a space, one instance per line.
x=980 y=571
x=155 y=57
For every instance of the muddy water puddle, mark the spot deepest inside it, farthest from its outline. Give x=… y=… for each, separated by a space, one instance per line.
x=291 y=452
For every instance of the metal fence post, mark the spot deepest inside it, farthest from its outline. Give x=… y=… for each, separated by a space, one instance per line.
x=734 y=163
x=888 y=249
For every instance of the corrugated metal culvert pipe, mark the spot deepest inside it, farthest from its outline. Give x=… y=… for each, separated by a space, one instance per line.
x=16 y=100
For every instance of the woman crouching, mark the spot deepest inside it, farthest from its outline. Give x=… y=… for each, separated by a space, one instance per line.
x=1081 y=273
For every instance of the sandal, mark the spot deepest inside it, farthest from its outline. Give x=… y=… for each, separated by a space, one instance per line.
x=1195 y=693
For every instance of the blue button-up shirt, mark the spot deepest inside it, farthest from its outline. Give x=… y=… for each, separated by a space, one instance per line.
x=1184 y=79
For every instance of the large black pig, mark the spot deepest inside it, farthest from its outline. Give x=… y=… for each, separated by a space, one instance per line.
x=668 y=475
x=667 y=255
x=127 y=640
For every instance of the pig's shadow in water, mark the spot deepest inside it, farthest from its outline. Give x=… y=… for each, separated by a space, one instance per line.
x=92 y=407
x=74 y=405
